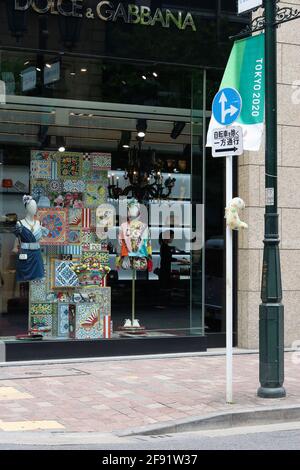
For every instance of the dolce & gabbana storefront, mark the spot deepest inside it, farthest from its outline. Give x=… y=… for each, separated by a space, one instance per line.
x=111 y=208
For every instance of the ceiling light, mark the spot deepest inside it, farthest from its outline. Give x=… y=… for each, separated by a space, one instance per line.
x=48 y=66
x=83 y=70
x=141 y=127
x=61 y=143
x=27 y=62
x=144 y=77
x=125 y=139
x=155 y=74
x=38 y=69
x=177 y=129
x=72 y=73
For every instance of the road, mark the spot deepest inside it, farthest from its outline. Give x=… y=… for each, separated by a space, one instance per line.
x=283 y=436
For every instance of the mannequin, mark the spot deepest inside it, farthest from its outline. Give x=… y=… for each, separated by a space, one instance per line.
x=29 y=232
x=134 y=240
x=136 y=253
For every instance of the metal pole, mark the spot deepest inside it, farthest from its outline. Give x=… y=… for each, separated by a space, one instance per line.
x=133 y=297
x=229 y=395
x=271 y=311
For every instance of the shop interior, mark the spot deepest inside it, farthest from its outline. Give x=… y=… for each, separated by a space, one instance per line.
x=173 y=147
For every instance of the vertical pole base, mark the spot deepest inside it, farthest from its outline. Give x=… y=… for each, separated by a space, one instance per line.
x=265 y=392
x=271 y=351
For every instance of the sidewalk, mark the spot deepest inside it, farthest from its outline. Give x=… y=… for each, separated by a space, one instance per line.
x=110 y=396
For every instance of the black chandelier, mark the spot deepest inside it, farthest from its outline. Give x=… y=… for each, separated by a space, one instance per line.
x=145 y=182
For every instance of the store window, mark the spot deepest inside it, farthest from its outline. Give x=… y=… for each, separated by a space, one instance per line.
x=89 y=86
x=74 y=146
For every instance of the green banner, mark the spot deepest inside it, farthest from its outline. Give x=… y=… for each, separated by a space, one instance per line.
x=245 y=71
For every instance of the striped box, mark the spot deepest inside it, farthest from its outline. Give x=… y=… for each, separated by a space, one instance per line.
x=70 y=250
x=86 y=218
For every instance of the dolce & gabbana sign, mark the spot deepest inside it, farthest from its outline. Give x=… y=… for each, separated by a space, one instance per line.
x=111 y=11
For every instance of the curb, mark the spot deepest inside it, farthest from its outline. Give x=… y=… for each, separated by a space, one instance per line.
x=220 y=352
x=214 y=421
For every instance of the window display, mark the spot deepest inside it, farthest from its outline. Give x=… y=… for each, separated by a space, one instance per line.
x=59 y=249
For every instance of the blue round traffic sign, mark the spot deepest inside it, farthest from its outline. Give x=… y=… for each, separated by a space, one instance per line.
x=227 y=106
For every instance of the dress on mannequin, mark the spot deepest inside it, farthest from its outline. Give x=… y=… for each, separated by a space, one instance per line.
x=135 y=254
x=135 y=244
x=29 y=232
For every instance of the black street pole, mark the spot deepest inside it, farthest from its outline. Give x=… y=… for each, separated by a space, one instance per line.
x=271 y=311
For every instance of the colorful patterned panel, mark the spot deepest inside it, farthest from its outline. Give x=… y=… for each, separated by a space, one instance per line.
x=88 y=236
x=63 y=320
x=95 y=194
x=89 y=321
x=86 y=218
x=56 y=221
x=42 y=324
x=54 y=168
x=75 y=217
x=87 y=166
x=103 y=297
x=101 y=161
x=74 y=186
x=41 y=309
x=70 y=250
x=38 y=291
x=74 y=236
x=40 y=155
x=96 y=247
x=38 y=189
x=55 y=186
x=40 y=169
x=98 y=257
x=70 y=165
x=67 y=200
x=64 y=275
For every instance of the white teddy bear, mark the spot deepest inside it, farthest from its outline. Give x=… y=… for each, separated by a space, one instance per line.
x=232 y=214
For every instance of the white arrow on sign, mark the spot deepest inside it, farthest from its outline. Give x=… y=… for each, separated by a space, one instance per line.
x=232 y=110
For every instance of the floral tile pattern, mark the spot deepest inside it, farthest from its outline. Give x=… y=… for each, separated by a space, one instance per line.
x=70 y=165
x=63 y=320
x=40 y=169
x=56 y=221
x=89 y=321
x=64 y=276
x=38 y=291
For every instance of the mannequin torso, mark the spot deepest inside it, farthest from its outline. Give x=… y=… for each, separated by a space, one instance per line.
x=28 y=232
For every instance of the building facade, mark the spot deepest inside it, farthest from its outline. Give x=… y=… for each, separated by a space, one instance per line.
x=125 y=90
x=252 y=188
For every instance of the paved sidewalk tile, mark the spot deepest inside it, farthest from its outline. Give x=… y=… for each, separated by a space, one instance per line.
x=11 y=393
x=118 y=395
x=29 y=425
